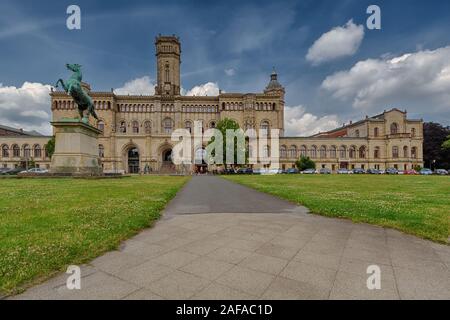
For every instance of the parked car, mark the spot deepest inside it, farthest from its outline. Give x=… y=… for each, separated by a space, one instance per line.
x=229 y=171
x=245 y=171
x=391 y=171
x=401 y=172
x=358 y=171
x=292 y=171
x=35 y=170
x=381 y=171
x=275 y=171
x=373 y=171
x=343 y=171
x=325 y=171
x=441 y=172
x=426 y=172
x=309 y=171
x=410 y=172
x=11 y=172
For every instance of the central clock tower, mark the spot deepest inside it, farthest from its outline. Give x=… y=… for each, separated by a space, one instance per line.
x=168 y=52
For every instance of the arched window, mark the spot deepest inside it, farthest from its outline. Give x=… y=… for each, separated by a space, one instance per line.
x=323 y=152
x=283 y=152
x=405 y=152
x=167 y=126
x=333 y=150
x=148 y=127
x=265 y=126
x=414 y=152
x=357 y=133
x=362 y=152
x=395 y=152
x=212 y=124
x=352 y=152
x=123 y=127
x=135 y=126
x=303 y=151
x=293 y=152
x=413 y=132
x=188 y=126
x=16 y=151
x=26 y=151
x=167 y=72
x=313 y=152
x=37 y=151
x=101 y=125
x=101 y=151
x=343 y=152
x=376 y=132
x=394 y=128
x=376 y=153
x=5 y=151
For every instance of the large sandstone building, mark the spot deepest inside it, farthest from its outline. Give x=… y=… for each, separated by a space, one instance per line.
x=137 y=129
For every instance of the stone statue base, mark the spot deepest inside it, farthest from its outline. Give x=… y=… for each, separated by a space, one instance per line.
x=76 y=149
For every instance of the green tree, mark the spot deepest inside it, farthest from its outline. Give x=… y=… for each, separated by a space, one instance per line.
x=305 y=163
x=50 y=147
x=224 y=125
x=446 y=144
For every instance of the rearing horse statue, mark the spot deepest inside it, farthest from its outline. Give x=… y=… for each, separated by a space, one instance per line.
x=74 y=89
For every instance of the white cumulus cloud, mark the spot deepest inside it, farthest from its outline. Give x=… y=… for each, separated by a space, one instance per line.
x=27 y=107
x=144 y=86
x=230 y=72
x=298 y=122
x=207 y=89
x=419 y=82
x=339 y=42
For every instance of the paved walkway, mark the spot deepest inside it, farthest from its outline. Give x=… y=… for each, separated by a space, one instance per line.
x=248 y=245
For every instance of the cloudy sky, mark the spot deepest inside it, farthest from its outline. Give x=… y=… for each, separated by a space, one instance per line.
x=333 y=67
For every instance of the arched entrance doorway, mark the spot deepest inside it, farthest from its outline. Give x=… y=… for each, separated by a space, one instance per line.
x=167 y=156
x=133 y=160
x=200 y=164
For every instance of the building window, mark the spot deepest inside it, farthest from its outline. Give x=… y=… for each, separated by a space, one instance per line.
x=167 y=125
x=293 y=152
x=314 y=152
x=394 y=128
x=352 y=152
x=188 y=126
x=405 y=152
x=357 y=133
x=135 y=126
x=303 y=151
x=266 y=152
x=212 y=125
x=323 y=152
x=123 y=127
x=333 y=152
x=5 y=151
x=16 y=151
x=37 y=151
x=101 y=151
x=376 y=132
x=362 y=152
x=26 y=151
x=343 y=152
x=265 y=126
x=148 y=127
x=414 y=152
x=395 y=152
x=376 y=153
x=283 y=152
x=101 y=125
x=413 y=132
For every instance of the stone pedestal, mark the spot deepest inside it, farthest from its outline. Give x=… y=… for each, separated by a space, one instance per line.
x=76 y=149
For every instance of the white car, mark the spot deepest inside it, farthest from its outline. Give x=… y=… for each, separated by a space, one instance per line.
x=36 y=170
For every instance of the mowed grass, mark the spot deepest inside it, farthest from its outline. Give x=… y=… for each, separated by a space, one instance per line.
x=48 y=224
x=414 y=204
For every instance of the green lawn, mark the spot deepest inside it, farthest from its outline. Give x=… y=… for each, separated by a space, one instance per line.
x=414 y=204
x=47 y=224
